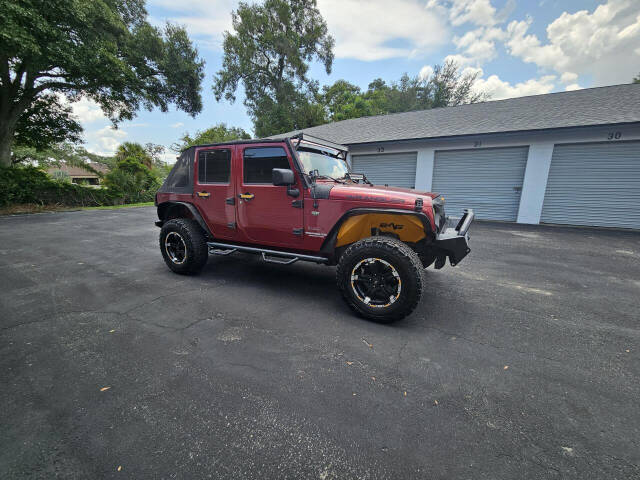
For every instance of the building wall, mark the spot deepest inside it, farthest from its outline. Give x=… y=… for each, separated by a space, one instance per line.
x=538 y=162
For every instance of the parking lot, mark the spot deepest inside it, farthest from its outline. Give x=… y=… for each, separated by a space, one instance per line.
x=522 y=362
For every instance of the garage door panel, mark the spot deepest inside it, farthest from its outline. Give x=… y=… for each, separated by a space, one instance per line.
x=594 y=184
x=395 y=169
x=489 y=180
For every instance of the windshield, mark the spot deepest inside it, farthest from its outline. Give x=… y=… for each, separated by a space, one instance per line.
x=326 y=165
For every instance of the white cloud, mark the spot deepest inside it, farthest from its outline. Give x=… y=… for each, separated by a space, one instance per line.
x=375 y=29
x=204 y=21
x=478 y=12
x=370 y=30
x=177 y=125
x=84 y=109
x=479 y=45
x=498 y=89
x=460 y=60
x=105 y=140
x=425 y=72
x=568 y=77
x=573 y=86
x=604 y=43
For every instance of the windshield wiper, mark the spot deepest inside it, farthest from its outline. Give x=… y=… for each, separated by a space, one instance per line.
x=337 y=180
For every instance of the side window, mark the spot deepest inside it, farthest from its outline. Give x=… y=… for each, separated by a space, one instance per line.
x=258 y=163
x=179 y=176
x=214 y=166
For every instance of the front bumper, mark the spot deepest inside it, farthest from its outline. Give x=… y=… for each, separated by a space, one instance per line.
x=454 y=242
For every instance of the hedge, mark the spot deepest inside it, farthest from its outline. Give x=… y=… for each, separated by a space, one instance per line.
x=29 y=184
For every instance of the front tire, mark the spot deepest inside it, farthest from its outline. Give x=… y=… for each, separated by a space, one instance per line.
x=380 y=278
x=183 y=246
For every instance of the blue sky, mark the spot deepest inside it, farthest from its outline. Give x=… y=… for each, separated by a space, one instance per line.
x=517 y=48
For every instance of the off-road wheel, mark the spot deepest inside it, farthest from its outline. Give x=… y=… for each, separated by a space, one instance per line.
x=183 y=246
x=380 y=278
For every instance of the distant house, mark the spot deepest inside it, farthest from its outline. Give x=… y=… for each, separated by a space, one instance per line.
x=79 y=174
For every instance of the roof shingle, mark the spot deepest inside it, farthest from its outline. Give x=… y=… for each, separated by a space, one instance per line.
x=587 y=107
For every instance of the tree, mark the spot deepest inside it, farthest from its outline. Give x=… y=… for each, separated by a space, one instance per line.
x=104 y=50
x=46 y=122
x=637 y=79
x=269 y=53
x=134 y=152
x=445 y=87
x=448 y=87
x=344 y=100
x=155 y=151
x=219 y=133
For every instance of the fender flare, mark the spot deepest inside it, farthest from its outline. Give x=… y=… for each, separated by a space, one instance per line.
x=192 y=209
x=328 y=246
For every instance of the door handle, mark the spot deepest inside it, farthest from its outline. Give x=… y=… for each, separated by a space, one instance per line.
x=203 y=194
x=246 y=196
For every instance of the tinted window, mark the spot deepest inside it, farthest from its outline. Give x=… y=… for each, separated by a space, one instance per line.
x=214 y=166
x=179 y=176
x=258 y=163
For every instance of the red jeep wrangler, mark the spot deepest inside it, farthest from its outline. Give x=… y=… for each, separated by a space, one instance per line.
x=295 y=199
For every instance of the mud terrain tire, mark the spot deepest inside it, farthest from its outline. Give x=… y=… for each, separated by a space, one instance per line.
x=375 y=267
x=183 y=246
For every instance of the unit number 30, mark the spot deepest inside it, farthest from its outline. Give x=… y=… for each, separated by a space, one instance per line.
x=614 y=136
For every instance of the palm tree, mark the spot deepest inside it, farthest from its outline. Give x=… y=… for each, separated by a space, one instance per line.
x=134 y=150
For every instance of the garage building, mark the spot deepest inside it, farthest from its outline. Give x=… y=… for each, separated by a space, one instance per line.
x=568 y=158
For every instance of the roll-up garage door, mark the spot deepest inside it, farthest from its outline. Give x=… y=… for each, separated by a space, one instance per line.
x=489 y=180
x=395 y=169
x=594 y=184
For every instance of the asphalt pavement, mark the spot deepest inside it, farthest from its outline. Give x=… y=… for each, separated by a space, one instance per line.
x=522 y=362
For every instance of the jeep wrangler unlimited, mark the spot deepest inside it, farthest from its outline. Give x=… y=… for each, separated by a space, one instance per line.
x=296 y=199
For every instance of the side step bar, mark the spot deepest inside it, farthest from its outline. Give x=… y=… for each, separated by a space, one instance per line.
x=271 y=256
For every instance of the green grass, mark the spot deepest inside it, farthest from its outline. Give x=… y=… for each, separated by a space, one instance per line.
x=36 y=208
x=114 y=207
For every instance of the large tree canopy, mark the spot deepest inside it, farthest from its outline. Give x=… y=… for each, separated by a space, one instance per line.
x=217 y=134
x=101 y=49
x=269 y=53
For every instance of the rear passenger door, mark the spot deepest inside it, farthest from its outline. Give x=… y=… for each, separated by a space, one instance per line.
x=214 y=189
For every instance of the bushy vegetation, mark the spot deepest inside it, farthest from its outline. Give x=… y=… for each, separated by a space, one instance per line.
x=28 y=184
x=134 y=178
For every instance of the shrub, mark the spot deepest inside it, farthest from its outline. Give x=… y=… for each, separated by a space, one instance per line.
x=31 y=185
x=132 y=187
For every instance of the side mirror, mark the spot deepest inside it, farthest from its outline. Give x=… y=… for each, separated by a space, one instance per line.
x=282 y=177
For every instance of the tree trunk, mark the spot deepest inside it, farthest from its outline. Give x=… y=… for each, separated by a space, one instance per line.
x=6 y=141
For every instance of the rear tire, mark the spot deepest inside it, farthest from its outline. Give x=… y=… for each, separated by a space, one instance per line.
x=380 y=278
x=183 y=246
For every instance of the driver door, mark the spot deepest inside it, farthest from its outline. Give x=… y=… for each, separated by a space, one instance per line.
x=267 y=214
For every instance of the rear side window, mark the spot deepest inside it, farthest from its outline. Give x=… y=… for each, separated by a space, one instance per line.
x=214 y=166
x=180 y=178
x=258 y=163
